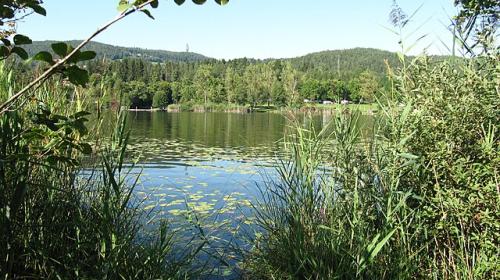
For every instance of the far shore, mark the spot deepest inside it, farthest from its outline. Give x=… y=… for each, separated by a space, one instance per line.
x=367 y=109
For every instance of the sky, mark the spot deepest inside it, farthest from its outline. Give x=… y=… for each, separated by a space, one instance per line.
x=250 y=28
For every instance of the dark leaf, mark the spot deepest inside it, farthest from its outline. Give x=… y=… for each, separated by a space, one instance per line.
x=6 y=12
x=86 y=148
x=6 y=42
x=20 y=52
x=4 y=51
x=199 y=2
x=44 y=56
x=60 y=49
x=74 y=57
x=86 y=55
x=148 y=13
x=76 y=75
x=154 y=4
x=222 y=2
x=179 y=2
x=80 y=114
x=22 y=40
x=39 y=10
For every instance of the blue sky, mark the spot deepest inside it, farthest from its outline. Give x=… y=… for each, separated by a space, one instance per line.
x=248 y=28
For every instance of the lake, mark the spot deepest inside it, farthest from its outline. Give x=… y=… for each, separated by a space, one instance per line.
x=205 y=157
x=211 y=164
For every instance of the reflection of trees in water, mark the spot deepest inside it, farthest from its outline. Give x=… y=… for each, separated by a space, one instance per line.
x=160 y=136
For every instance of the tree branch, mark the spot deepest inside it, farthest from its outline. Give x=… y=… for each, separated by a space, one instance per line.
x=49 y=72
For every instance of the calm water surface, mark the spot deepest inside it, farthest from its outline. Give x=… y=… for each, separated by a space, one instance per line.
x=203 y=157
x=209 y=164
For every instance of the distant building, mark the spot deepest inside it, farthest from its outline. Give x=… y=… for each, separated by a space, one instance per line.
x=327 y=102
x=344 y=102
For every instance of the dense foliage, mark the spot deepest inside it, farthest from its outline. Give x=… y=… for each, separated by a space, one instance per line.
x=356 y=75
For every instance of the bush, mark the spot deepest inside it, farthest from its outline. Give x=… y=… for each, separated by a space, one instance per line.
x=455 y=117
x=418 y=198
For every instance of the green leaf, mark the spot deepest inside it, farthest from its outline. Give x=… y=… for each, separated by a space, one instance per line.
x=20 y=52
x=85 y=148
x=86 y=55
x=60 y=49
x=39 y=10
x=81 y=114
x=148 y=13
x=179 y=2
x=199 y=2
x=6 y=42
x=154 y=4
x=22 y=40
x=380 y=245
x=77 y=76
x=123 y=6
x=44 y=56
x=4 y=51
x=222 y=2
x=408 y=156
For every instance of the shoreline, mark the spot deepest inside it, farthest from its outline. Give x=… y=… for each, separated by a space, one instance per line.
x=365 y=109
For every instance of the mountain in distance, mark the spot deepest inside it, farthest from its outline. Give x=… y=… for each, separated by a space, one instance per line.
x=346 y=62
x=117 y=53
x=341 y=63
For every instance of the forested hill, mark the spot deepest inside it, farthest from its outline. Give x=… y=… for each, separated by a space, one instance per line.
x=349 y=63
x=345 y=63
x=116 y=53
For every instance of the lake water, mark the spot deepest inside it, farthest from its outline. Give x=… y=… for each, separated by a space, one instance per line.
x=209 y=165
x=205 y=158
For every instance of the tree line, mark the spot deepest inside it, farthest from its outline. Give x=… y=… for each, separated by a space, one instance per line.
x=139 y=83
x=135 y=78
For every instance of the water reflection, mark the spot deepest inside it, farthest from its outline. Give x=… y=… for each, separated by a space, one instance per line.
x=209 y=164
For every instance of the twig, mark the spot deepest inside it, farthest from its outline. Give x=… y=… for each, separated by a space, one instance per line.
x=5 y=106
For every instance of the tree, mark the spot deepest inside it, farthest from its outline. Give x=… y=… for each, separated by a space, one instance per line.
x=230 y=84
x=267 y=78
x=368 y=86
x=202 y=82
x=253 y=84
x=162 y=95
x=278 y=95
x=313 y=89
x=290 y=79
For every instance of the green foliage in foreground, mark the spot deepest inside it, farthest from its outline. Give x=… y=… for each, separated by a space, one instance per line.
x=418 y=198
x=66 y=205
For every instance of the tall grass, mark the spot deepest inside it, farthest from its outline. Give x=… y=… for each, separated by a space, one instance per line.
x=418 y=198
x=62 y=219
x=336 y=209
